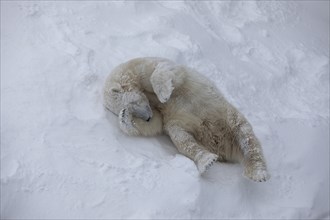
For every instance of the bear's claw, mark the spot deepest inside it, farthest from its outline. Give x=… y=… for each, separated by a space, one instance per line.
x=123 y=116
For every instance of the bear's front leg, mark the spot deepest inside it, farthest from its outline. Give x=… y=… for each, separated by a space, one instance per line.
x=126 y=122
x=165 y=79
x=187 y=145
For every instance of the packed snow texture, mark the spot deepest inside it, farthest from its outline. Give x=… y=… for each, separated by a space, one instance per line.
x=63 y=155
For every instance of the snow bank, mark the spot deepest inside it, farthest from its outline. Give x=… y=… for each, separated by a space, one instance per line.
x=63 y=156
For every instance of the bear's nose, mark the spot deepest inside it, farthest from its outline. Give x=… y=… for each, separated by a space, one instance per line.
x=148 y=119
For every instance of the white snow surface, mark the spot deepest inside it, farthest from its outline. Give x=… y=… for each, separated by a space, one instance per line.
x=63 y=155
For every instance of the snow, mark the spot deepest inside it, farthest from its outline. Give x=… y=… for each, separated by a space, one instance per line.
x=63 y=156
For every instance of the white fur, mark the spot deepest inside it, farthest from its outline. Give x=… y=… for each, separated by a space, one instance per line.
x=188 y=108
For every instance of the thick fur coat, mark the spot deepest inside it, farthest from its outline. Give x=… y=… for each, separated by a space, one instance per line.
x=155 y=95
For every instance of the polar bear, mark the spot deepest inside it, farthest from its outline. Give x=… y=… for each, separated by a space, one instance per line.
x=154 y=95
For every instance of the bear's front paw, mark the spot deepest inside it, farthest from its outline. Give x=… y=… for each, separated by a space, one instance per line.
x=126 y=122
x=205 y=161
x=257 y=173
x=164 y=91
x=124 y=117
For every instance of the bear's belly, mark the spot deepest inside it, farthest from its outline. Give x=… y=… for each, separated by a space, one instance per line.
x=217 y=137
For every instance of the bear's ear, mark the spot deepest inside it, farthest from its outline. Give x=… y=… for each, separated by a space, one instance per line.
x=116 y=88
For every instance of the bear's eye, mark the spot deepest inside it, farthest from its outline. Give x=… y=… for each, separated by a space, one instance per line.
x=114 y=90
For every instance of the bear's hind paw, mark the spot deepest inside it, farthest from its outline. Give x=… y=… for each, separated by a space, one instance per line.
x=257 y=175
x=206 y=161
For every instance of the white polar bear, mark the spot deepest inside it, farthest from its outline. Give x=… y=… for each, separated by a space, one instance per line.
x=152 y=95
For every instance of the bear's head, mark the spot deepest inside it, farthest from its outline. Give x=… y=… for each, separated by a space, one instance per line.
x=134 y=100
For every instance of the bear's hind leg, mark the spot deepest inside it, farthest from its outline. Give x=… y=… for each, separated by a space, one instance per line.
x=187 y=145
x=253 y=160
